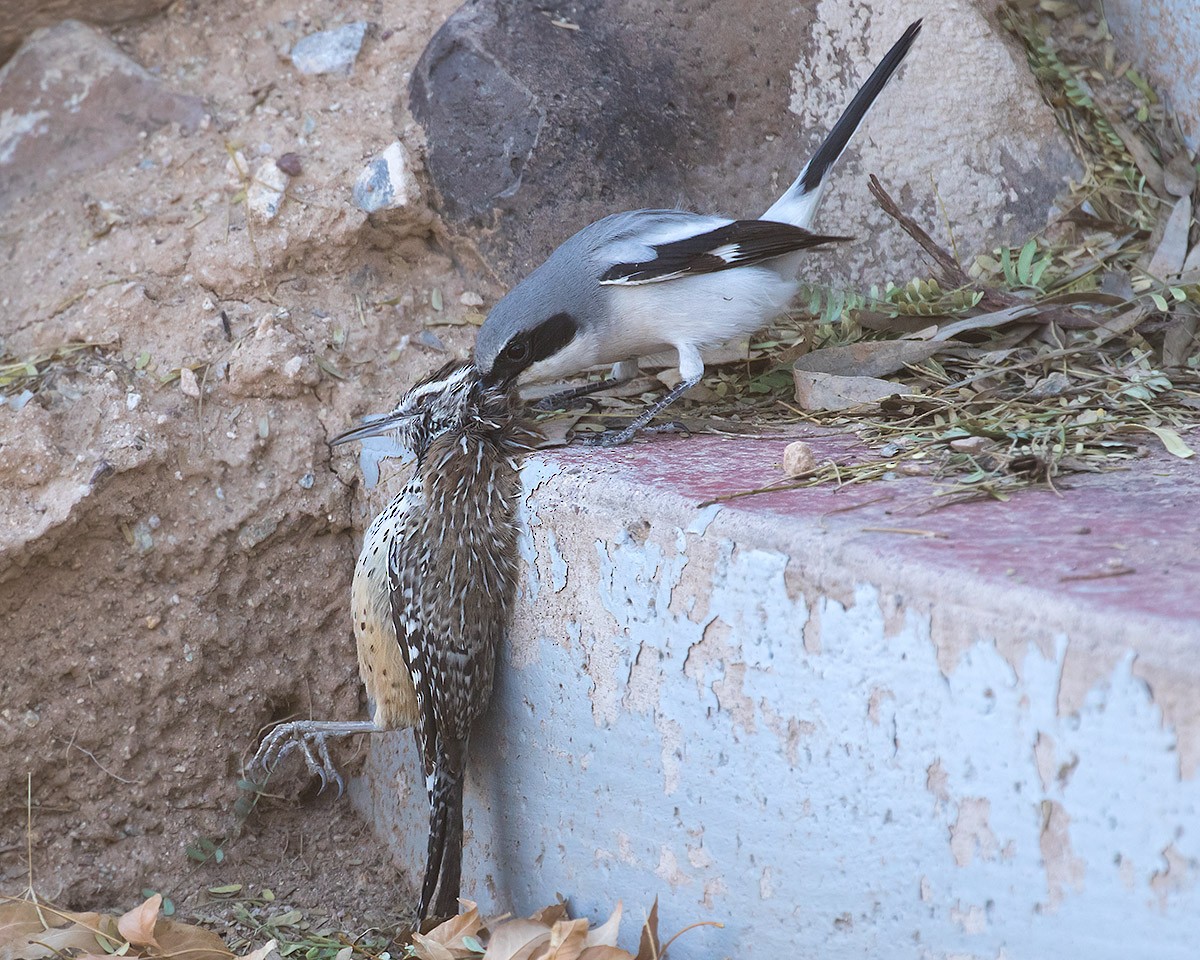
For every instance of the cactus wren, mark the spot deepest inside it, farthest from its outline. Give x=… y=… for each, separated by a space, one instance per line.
x=431 y=596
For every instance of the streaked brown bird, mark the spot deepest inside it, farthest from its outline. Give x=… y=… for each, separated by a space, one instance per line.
x=431 y=597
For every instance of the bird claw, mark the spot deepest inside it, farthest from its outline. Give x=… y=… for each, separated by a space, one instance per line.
x=312 y=744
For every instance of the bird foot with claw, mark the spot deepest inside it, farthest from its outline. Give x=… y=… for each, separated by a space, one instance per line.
x=308 y=737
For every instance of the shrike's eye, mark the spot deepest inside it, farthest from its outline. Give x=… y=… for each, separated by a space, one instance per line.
x=517 y=351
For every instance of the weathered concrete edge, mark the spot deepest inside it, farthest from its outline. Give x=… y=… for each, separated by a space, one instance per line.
x=1068 y=651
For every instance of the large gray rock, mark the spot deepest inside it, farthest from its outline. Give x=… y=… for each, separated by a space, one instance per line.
x=1162 y=37
x=540 y=119
x=71 y=101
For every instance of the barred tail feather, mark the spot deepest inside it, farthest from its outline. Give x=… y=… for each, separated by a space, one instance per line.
x=443 y=866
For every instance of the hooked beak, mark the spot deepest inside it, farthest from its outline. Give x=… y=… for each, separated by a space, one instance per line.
x=373 y=426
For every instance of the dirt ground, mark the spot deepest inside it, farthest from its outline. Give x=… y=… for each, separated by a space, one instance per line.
x=174 y=568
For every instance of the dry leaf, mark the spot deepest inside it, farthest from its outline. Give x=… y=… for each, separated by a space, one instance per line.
x=513 y=936
x=18 y=922
x=822 y=391
x=1172 y=250
x=68 y=932
x=183 y=941
x=426 y=949
x=269 y=949
x=605 y=935
x=567 y=939
x=551 y=915
x=649 y=947
x=1170 y=439
x=1179 y=340
x=605 y=953
x=535 y=949
x=137 y=926
x=445 y=941
x=870 y=358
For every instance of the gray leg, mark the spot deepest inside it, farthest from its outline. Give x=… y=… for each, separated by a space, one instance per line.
x=616 y=440
x=308 y=736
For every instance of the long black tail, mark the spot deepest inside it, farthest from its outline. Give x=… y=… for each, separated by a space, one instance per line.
x=443 y=865
x=798 y=204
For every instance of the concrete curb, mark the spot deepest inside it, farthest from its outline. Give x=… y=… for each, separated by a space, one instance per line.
x=836 y=739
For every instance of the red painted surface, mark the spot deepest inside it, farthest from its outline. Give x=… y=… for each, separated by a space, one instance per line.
x=1143 y=522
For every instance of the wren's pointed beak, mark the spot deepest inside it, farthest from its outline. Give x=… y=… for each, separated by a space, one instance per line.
x=374 y=426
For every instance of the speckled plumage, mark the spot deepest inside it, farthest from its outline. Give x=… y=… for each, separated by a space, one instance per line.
x=433 y=591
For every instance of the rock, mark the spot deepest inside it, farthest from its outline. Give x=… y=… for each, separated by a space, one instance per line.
x=330 y=51
x=19 y=18
x=1163 y=39
x=799 y=459
x=534 y=129
x=189 y=386
x=387 y=182
x=266 y=191
x=273 y=363
x=71 y=101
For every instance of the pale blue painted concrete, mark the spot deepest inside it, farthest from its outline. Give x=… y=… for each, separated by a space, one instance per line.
x=783 y=747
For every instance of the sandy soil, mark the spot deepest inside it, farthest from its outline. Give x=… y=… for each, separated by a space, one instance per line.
x=174 y=569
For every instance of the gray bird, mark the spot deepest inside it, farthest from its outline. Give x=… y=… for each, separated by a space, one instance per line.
x=649 y=281
x=431 y=597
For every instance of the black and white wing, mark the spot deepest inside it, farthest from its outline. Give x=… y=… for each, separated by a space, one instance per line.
x=677 y=246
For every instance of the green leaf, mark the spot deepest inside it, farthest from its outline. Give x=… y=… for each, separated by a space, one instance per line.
x=1025 y=261
x=225 y=890
x=329 y=368
x=1172 y=441
x=1159 y=301
x=472 y=944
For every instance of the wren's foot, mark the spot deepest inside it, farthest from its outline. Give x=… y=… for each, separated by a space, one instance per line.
x=310 y=737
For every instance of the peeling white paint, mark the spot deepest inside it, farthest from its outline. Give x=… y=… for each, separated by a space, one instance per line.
x=812 y=772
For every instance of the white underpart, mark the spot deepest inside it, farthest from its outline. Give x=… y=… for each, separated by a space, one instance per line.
x=697 y=311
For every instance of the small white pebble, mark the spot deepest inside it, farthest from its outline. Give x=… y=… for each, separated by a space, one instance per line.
x=132 y=400
x=471 y=299
x=798 y=459
x=188 y=384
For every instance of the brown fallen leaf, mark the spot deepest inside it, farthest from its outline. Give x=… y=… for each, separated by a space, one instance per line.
x=137 y=926
x=648 y=947
x=605 y=935
x=869 y=358
x=567 y=939
x=264 y=952
x=605 y=953
x=184 y=941
x=514 y=935
x=823 y=391
x=445 y=941
x=24 y=937
x=1169 y=257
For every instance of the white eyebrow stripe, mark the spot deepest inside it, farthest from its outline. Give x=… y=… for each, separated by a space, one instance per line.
x=437 y=386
